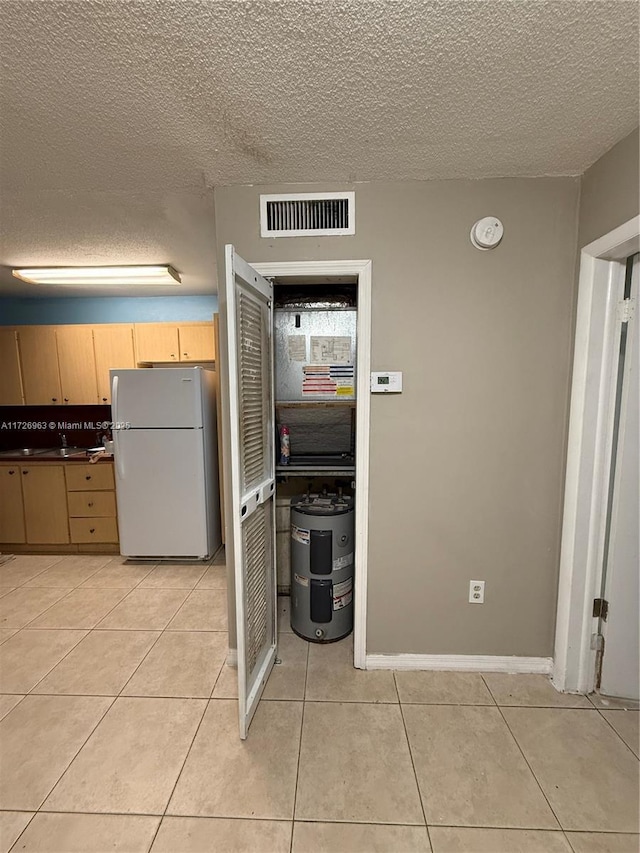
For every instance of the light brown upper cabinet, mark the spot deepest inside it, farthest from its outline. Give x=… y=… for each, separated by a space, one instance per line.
x=39 y=362
x=113 y=346
x=157 y=342
x=77 y=365
x=197 y=341
x=179 y=342
x=10 y=379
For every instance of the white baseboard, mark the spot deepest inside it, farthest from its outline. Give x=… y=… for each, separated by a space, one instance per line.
x=470 y=663
x=232 y=658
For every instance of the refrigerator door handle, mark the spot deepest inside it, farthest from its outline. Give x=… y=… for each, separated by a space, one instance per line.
x=114 y=398
x=118 y=454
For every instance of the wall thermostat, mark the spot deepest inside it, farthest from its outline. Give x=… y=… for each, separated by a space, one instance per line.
x=386 y=382
x=487 y=233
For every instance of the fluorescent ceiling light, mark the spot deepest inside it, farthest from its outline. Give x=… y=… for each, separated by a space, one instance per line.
x=145 y=275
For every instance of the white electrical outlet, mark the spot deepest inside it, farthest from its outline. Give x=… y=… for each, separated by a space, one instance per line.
x=476 y=592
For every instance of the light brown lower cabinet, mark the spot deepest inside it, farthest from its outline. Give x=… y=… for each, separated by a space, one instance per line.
x=12 y=527
x=68 y=504
x=92 y=503
x=44 y=494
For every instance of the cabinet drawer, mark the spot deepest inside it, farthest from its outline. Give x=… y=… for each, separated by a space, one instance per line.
x=89 y=477
x=93 y=530
x=89 y=504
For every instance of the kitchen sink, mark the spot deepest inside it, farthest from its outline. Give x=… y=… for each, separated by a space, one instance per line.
x=61 y=451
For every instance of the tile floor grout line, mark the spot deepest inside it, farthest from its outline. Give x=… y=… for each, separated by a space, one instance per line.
x=122 y=600
x=295 y=790
x=151 y=647
x=42 y=612
x=559 y=831
x=413 y=766
x=224 y=663
x=86 y=634
x=37 y=574
x=29 y=822
x=78 y=751
x=144 y=577
x=19 y=702
x=615 y=731
x=68 y=592
x=129 y=589
x=182 y=766
x=68 y=627
x=77 y=586
x=161 y=634
x=526 y=760
x=568 y=840
x=100 y=628
x=155 y=815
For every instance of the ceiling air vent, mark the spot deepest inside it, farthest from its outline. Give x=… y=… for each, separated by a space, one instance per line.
x=307 y=214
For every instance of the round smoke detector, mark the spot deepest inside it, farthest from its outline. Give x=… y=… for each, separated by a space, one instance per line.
x=487 y=233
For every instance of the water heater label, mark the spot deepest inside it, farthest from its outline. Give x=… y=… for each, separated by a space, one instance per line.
x=299 y=579
x=300 y=534
x=342 y=594
x=343 y=562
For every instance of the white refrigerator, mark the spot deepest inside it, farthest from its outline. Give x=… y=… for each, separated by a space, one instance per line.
x=166 y=462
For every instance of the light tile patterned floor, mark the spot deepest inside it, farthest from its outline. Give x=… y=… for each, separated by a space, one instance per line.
x=118 y=731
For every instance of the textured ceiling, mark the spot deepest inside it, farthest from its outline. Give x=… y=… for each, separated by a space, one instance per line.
x=137 y=104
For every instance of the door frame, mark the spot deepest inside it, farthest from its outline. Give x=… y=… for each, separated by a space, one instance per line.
x=361 y=269
x=602 y=269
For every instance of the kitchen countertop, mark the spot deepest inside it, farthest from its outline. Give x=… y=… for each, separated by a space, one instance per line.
x=79 y=454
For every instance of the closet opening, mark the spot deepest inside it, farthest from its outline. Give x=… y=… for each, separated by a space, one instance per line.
x=315 y=322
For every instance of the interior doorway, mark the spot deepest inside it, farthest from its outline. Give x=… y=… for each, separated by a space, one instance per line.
x=357 y=274
x=603 y=313
x=250 y=476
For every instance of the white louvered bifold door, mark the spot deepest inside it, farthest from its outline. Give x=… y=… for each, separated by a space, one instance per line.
x=247 y=312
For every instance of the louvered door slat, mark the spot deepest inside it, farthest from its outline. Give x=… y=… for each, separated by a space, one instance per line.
x=252 y=361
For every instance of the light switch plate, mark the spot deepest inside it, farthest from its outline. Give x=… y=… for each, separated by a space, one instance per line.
x=386 y=382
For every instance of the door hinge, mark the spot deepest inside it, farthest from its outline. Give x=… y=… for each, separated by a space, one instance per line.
x=626 y=309
x=600 y=608
x=597 y=642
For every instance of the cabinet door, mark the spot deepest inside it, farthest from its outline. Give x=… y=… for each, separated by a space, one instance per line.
x=77 y=365
x=10 y=381
x=113 y=347
x=39 y=362
x=45 y=504
x=157 y=342
x=11 y=511
x=196 y=342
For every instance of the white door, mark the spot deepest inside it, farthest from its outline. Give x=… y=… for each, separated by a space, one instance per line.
x=160 y=490
x=158 y=397
x=620 y=629
x=246 y=313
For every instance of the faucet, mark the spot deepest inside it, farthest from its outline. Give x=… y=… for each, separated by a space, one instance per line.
x=63 y=439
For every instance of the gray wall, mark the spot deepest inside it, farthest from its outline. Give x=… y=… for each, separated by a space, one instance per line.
x=610 y=190
x=467 y=465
